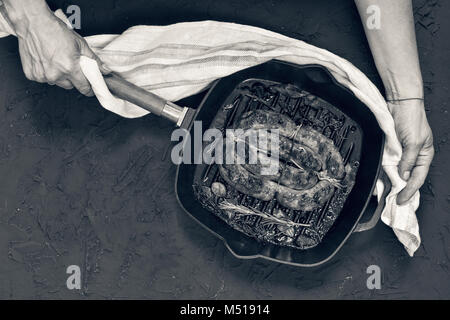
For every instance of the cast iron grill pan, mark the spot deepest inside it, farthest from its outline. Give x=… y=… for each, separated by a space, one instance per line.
x=367 y=141
x=359 y=133
x=307 y=110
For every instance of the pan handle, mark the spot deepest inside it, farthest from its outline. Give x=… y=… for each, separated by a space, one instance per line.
x=126 y=90
x=371 y=223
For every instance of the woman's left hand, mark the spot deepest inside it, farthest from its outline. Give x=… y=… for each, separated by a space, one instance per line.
x=416 y=138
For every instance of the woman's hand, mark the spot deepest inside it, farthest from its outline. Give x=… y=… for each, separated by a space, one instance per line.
x=394 y=48
x=416 y=138
x=49 y=50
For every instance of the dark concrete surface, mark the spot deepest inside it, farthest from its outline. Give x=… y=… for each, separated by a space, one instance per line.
x=82 y=186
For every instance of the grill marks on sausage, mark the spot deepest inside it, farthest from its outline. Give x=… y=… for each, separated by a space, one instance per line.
x=310 y=164
x=309 y=138
x=287 y=175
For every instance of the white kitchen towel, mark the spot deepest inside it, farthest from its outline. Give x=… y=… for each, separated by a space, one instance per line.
x=179 y=60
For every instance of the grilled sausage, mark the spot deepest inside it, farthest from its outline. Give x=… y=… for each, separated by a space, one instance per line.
x=305 y=200
x=307 y=176
x=298 y=170
x=309 y=138
x=248 y=183
x=290 y=151
x=286 y=175
x=265 y=189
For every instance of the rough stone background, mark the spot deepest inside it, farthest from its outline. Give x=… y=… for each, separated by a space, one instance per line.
x=80 y=185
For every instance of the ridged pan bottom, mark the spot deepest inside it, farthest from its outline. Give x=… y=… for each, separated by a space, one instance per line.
x=270 y=221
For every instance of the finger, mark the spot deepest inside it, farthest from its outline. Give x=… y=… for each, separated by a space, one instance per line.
x=65 y=84
x=419 y=172
x=416 y=181
x=87 y=52
x=80 y=82
x=408 y=161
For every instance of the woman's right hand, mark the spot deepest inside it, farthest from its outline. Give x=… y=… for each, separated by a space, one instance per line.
x=49 y=50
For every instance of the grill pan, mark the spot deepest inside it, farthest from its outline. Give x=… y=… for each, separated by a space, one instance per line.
x=314 y=79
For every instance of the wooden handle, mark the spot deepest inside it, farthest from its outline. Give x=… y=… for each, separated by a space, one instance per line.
x=127 y=91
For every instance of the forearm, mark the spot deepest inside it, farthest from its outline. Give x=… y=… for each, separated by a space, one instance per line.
x=394 y=47
x=23 y=13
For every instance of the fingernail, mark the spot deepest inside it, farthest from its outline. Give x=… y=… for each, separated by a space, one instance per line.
x=406 y=175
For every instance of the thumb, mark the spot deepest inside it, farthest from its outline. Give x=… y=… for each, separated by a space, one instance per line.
x=408 y=161
x=87 y=52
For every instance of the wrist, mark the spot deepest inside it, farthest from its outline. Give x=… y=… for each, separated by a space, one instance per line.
x=406 y=105
x=406 y=94
x=402 y=88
